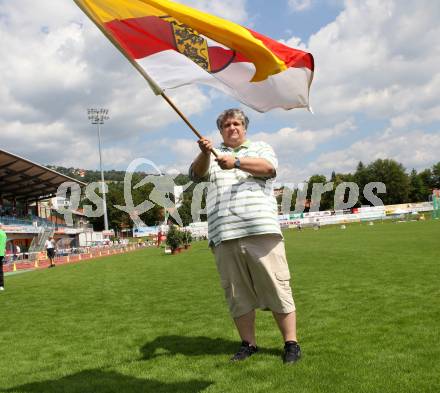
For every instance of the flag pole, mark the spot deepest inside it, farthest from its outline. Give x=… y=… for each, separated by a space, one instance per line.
x=183 y=117
x=153 y=85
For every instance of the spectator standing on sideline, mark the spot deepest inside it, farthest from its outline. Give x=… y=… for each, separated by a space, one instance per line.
x=3 y=240
x=245 y=234
x=50 y=249
x=17 y=252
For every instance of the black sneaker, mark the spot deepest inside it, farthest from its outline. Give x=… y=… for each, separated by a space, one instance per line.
x=245 y=351
x=292 y=352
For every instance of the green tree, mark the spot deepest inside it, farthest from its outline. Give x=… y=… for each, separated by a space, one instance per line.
x=393 y=175
x=436 y=176
x=427 y=178
x=337 y=179
x=115 y=196
x=360 y=177
x=174 y=238
x=293 y=199
x=325 y=202
x=418 y=192
x=185 y=209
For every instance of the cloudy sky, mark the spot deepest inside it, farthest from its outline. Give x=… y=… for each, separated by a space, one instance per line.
x=375 y=93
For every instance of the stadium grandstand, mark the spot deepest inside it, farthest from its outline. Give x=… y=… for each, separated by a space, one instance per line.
x=28 y=205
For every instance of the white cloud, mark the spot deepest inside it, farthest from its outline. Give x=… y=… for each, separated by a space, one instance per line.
x=414 y=149
x=377 y=60
x=419 y=117
x=288 y=140
x=47 y=143
x=300 y=5
x=234 y=10
x=57 y=65
x=378 y=57
x=184 y=150
x=295 y=42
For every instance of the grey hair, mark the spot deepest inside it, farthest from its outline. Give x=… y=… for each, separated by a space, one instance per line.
x=234 y=112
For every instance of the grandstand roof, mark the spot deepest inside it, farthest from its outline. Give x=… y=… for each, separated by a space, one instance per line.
x=25 y=180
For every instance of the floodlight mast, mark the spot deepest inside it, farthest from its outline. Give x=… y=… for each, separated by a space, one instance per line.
x=98 y=116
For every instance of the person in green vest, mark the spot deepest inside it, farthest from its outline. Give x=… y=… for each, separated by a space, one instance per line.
x=3 y=239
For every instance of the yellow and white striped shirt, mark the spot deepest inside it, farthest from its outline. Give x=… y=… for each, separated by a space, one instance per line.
x=238 y=203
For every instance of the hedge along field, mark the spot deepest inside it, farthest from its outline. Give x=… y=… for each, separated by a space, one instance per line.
x=368 y=320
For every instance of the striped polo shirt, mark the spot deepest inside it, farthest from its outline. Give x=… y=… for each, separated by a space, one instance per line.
x=239 y=204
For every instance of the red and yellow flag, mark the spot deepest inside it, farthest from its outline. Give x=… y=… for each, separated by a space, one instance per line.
x=174 y=45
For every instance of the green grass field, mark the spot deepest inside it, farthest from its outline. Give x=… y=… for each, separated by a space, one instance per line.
x=368 y=304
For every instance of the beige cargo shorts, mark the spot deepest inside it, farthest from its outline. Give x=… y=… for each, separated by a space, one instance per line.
x=254 y=274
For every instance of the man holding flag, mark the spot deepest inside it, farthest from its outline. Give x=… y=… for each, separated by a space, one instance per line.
x=172 y=45
x=244 y=232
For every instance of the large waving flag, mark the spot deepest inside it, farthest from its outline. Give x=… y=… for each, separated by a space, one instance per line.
x=174 y=45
